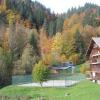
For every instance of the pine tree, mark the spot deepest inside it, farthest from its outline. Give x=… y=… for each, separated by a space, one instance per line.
x=79 y=45
x=45 y=25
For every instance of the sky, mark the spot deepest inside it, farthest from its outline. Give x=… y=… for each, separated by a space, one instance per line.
x=60 y=6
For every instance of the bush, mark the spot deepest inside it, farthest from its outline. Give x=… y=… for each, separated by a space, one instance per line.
x=84 y=68
x=40 y=73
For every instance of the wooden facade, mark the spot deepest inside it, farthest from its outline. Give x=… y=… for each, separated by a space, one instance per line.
x=93 y=56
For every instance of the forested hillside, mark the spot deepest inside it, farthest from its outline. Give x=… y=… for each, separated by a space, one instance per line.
x=30 y=32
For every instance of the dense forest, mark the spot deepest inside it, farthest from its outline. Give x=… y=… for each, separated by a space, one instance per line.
x=30 y=32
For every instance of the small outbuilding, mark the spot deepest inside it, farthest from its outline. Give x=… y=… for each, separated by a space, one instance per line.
x=63 y=66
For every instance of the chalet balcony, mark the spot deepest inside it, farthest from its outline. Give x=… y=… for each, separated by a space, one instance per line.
x=95 y=55
x=95 y=63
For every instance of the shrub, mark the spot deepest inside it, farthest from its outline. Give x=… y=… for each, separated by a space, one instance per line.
x=40 y=73
x=83 y=69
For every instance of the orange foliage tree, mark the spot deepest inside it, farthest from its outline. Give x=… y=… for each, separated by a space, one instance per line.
x=45 y=46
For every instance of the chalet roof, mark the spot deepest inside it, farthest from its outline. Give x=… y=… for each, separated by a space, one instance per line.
x=96 y=40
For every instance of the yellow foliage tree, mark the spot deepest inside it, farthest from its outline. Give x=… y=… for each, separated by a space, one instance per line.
x=57 y=43
x=63 y=58
x=74 y=58
x=10 y=16
x=57 y=46
x=5 y=41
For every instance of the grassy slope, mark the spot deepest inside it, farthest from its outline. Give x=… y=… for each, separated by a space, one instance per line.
x=83 y=91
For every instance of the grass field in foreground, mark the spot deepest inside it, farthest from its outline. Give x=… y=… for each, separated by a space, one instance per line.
x=85 y=90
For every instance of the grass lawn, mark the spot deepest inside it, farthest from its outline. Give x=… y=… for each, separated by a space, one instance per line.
x=85 y=90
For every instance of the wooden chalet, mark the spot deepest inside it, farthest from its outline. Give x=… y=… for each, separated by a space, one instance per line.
x=93 y=56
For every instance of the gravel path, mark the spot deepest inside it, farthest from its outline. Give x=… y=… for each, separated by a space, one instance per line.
x=51 y=83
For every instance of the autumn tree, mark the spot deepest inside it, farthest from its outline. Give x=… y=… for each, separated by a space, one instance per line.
x=21 y=39
x=74 y=58
x=45 y=46
x=58 y=48
x=10 y=17
x=5 y=67
x=57 y=43
x=28 y=58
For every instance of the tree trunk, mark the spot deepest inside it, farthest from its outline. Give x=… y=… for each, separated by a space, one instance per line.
x=41 y=84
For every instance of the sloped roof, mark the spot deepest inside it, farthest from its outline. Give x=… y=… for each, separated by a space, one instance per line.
x=93 y=40
x=96 y=40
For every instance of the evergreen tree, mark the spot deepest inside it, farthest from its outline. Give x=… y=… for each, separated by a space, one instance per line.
x=79 y=45
x=59 y=23
x=45 y=25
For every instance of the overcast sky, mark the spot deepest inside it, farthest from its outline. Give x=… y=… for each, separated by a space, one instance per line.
x=60 y=6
